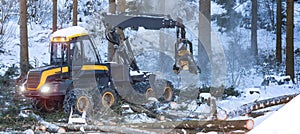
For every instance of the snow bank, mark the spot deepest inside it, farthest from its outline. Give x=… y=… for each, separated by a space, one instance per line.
x=284 y=121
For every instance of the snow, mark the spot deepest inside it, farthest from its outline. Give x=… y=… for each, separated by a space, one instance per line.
x=216 y=9
x=284 y=121
x=70 y=31
x=139 y=118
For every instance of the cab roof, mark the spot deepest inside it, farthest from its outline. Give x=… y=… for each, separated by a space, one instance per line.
x=66 y=34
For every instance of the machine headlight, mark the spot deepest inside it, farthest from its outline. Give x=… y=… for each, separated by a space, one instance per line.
x=45 y=89
x=22 y=88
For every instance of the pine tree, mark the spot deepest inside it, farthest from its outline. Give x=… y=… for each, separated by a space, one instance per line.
x=75 y=12
x=112 y=6
x=290 y=38
x=278 y=33
x=54 y=16
x=204 y=26
x=24 y=61
x=121 y=6
x=204 y=40
x=254 y=30
x=110 y=46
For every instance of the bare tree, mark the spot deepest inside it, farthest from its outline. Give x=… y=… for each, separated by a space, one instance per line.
x=75 y=12
x=290 y=38
x=278 y=33
x=24 y=61
x=254 y=31
x=54 y=16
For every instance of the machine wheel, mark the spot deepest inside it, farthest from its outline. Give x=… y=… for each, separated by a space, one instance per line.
x=109 y=99
x=79 y=100
x=144 y=88
x=150 y=93
x=49 y=105
x=168 y=93
x=165 y=89
x=45 y=105
x=37 y=104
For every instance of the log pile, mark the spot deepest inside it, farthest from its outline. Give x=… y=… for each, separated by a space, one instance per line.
x=194 y=125
x=173 y=122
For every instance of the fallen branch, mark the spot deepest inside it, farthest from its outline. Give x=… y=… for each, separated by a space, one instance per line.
x=248 y=108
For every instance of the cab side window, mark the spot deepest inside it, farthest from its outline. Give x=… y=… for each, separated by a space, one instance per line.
x=89 y=53
x=76 y=56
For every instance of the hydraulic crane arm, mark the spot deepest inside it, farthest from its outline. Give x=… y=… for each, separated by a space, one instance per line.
x=117 y=23
x=148 y=22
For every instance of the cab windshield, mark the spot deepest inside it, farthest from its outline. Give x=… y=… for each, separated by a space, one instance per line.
x=59 y=53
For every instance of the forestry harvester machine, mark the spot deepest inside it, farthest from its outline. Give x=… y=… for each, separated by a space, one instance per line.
x=77 y=78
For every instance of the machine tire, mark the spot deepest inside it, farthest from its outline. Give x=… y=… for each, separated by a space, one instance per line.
x=168 y=93
x=145 y=88
x=165 y=90
x=109 y=99
x=45 y=105
x=79 y=100
x=49 y=105
x=37 y=105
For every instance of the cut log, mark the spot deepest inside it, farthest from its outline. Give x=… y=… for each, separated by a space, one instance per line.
x=215 y=125
x=52 y=128
x=257 y=114
x=94 y=128
x=248 y=108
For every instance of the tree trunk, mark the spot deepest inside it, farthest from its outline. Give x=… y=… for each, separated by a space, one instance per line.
x=75 y=12
x=290 y=39
x=110 y=46
x=52 y=127
x=24 y=61
x=278 y=33
x=162 y=37
x=121 y=6
x=254 y=31
x=54 y=16
x=204 y=37
x=112 y=6
x=248 y=108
